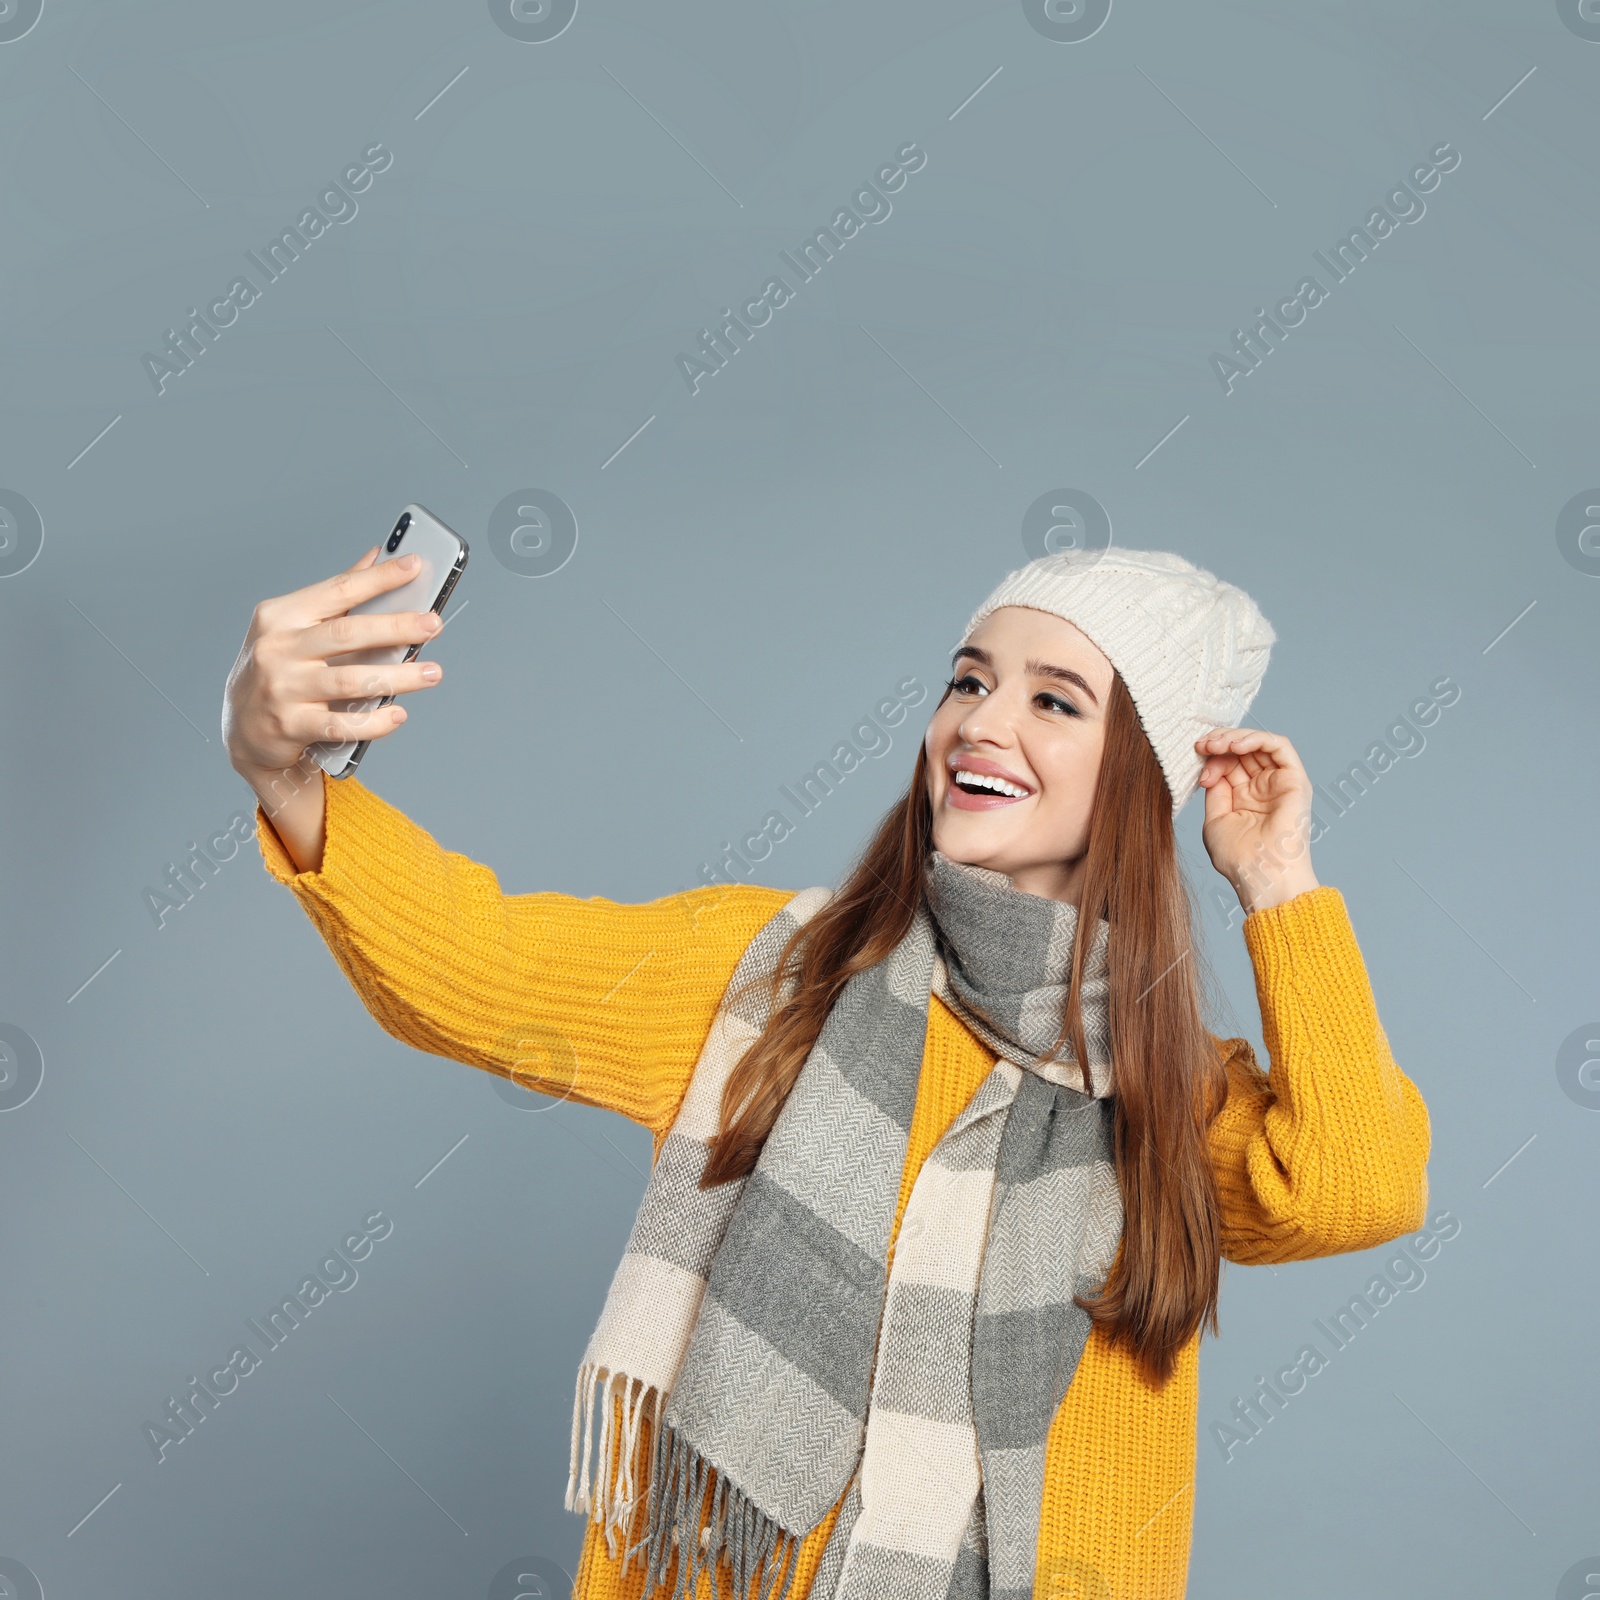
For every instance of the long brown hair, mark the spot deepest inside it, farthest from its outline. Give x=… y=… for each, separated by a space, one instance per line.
x=1169 y=1081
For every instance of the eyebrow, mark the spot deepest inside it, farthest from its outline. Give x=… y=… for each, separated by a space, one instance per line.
x=1039 y=669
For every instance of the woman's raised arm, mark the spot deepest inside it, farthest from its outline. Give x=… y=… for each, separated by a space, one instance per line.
x=1328 y=1152
x=586 y=1000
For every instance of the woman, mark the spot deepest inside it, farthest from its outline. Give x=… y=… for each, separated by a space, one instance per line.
x=941 y=1190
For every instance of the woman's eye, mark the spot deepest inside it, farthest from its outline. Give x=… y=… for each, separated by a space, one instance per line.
x=965 y=684
x=1060 y=704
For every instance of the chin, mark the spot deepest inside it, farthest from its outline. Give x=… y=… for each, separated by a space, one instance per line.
x=966 y=845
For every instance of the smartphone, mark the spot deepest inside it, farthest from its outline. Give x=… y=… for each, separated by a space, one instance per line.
x=417 y=532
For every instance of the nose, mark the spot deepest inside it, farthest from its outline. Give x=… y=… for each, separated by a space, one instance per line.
x=988 y=720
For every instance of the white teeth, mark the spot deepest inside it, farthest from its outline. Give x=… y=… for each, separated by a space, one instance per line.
x=985 y=780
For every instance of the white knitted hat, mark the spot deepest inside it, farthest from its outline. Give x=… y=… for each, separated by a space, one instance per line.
x=1191 y=649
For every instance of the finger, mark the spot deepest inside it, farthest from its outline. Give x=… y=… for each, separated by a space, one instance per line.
x=319 y=725
x=365 y=561
x=1243 y=739
x=1237 y=766
x=1254 y=774
x=325 y=683
x=1228 y=738
x=334 y=596
x=1221 y=749
x=337 y=636
x=1265 y=749
x=1272 y=754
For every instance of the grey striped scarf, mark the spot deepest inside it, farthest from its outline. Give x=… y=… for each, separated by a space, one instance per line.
x=759 y=1318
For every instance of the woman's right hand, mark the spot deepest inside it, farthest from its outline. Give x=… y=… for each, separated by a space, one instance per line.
x=276 y=702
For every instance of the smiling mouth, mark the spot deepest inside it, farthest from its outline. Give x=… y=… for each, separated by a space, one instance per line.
x=983 y=783
x=982 y=791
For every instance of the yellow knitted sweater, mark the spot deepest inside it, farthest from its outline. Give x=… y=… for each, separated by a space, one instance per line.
x=1327 y=1153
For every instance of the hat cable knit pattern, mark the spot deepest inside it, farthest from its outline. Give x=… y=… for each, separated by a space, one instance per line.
x=1191 y=649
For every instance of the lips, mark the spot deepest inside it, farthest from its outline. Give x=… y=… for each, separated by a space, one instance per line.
x=1002 y=788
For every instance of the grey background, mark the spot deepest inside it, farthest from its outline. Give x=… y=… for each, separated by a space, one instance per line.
x=753 y=571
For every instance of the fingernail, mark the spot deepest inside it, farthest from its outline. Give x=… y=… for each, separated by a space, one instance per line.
x=430 y=672
x=408 y=562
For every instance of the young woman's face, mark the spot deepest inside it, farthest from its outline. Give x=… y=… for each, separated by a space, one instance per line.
x=1029 y=708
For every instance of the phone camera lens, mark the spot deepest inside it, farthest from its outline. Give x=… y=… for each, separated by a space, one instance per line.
x=399 y=532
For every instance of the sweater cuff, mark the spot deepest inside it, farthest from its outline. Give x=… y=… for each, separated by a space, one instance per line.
x=1311 y=926
x=347 y=813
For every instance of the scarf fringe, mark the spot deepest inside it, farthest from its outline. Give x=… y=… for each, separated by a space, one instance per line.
x=759 y=1551
x=612 y=1495
x=762 y=1555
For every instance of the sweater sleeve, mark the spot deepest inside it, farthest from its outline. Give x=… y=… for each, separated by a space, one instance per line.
x=582 y=999
x=1327 y=1152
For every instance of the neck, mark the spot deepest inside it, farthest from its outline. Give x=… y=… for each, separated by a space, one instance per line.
x=1054 y=880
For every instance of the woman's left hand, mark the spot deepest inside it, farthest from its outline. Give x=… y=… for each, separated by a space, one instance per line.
x=1258 y=815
